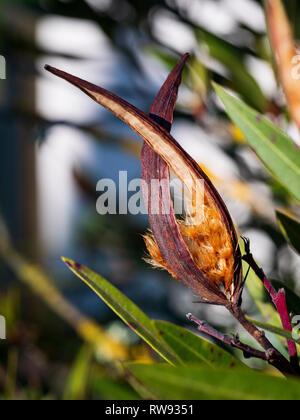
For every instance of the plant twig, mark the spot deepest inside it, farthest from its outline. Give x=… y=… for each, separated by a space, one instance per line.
x=271 y=354
x=274 y=357
x=279 y=300
x=248 y=351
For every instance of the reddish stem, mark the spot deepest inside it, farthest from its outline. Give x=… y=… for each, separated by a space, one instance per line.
x=279 y=300
x=274 y=357
x=248 y=351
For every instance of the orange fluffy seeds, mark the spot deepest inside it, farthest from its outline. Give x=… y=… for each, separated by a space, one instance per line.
x=209 y=242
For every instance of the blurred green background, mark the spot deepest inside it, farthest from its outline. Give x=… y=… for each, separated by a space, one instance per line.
x=56 y=144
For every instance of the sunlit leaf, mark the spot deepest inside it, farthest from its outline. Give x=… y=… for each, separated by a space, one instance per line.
x=173 y=343
x=136 y=319
x=276 y=150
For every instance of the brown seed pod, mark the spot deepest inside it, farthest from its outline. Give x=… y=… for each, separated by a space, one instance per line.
x=202 y=249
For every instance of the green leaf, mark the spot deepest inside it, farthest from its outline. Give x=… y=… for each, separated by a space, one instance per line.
x=233 y=59
x=191 y=348
x=140 y=387
x=290 y=229
x=106 y=388
x=201 y=383
x=136 y=319
x=77 y=383
x=276 y=150
x=175 y=344
x=276 y=330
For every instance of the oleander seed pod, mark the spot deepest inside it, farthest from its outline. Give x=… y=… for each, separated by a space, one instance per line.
x=201 y=250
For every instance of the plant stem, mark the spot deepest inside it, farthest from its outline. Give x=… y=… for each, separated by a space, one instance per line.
x=279 y=300
x=273 y=356
x=248 y=351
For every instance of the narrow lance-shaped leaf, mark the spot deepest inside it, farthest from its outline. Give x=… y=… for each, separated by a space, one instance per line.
x=202 y=383
x=175 y=344
x=276 y=150
x=290 y=228
x=286 y=55
x=136 y=319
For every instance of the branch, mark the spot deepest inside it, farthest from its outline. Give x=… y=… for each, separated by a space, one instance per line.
x=232 y=341
x=274 y=357
x=279 y=300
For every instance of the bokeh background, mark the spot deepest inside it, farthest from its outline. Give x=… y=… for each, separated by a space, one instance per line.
x=56 y=144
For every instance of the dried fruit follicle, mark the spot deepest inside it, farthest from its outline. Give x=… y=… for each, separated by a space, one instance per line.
x=209 y=243
x=207 y=230
x=202 y=250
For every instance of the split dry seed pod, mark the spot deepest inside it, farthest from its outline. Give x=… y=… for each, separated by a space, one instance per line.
x=202 y=250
